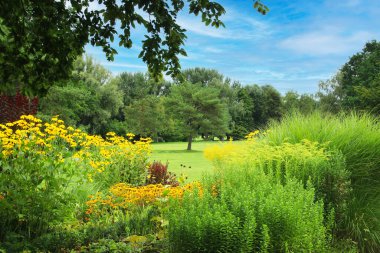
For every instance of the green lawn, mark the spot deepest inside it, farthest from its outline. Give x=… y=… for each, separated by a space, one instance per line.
x=194 y=164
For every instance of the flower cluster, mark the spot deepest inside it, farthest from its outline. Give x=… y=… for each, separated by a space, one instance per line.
x=123 y=196
x=217 y=152
x=30 y=137
x=252 y=135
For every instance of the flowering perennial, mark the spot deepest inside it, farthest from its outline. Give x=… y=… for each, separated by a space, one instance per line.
x=30 y=137
x=124 y=196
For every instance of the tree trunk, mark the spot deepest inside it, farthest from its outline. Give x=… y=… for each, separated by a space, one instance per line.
x=190 y=140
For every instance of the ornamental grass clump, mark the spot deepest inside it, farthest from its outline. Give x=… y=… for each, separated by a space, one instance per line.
x=357 y=138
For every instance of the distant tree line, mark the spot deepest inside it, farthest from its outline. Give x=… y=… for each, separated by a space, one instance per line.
x=201 y=102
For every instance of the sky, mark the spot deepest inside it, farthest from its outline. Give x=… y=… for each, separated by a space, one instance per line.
x=295 y=46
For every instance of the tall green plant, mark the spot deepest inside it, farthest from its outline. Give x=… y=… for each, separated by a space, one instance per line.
x=357 y=137
x=244 y=210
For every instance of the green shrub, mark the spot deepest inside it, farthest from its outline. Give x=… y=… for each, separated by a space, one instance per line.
x=357 y=137
x=37 y=179
x=108 y=245
x=305 y=161
x=47 y=171
x=244 y=210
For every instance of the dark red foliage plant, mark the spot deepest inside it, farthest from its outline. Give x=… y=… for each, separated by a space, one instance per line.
x=158 y=174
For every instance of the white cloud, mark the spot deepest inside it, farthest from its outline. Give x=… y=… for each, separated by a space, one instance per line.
x=240 y=30
x=323 y=43
x=238 y=26
x=196 y=26
x=269 y=74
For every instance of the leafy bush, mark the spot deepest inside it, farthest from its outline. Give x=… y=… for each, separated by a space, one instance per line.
x=357 y=137
x=37 y=175
x=112 y=227
x=309 y=162
x=66 y=238
x=108 y=245
x=46 y=168
x=243 y=210
x=118 y=159
x=304 y=161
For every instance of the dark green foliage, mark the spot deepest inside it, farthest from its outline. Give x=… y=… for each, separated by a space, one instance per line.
x=199 y=109
x=146 y=116
x=203 y=76
x=259 y=106
x=110 y=230
x=87 y=100
x=330 y=94
x=135 y=86
x=76 y=237
x=41 y=39
x=357 y=85
x=361 y=79
x=272 y=104
x=293 y=102
x=39 y=42
x=108 y=245
x=97 y=102
x=228 y=93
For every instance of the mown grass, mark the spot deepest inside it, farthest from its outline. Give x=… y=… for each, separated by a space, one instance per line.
x=181 y=161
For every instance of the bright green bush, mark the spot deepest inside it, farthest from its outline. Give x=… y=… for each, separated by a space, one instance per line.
x=357 y=137
x=306 y=161
x=242 y=210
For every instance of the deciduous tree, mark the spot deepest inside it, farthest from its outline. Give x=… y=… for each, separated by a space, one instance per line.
x=360 y=81
x=39 y=40
x=199 y=109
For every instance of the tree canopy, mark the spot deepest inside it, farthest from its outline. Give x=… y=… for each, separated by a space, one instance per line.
x=360 y=79
x=199 y=110
x=146 y=116
x=39 y=40
x=357 y=85
x=87 y=100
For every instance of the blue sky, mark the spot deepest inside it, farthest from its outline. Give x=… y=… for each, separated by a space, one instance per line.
x=296 y=45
